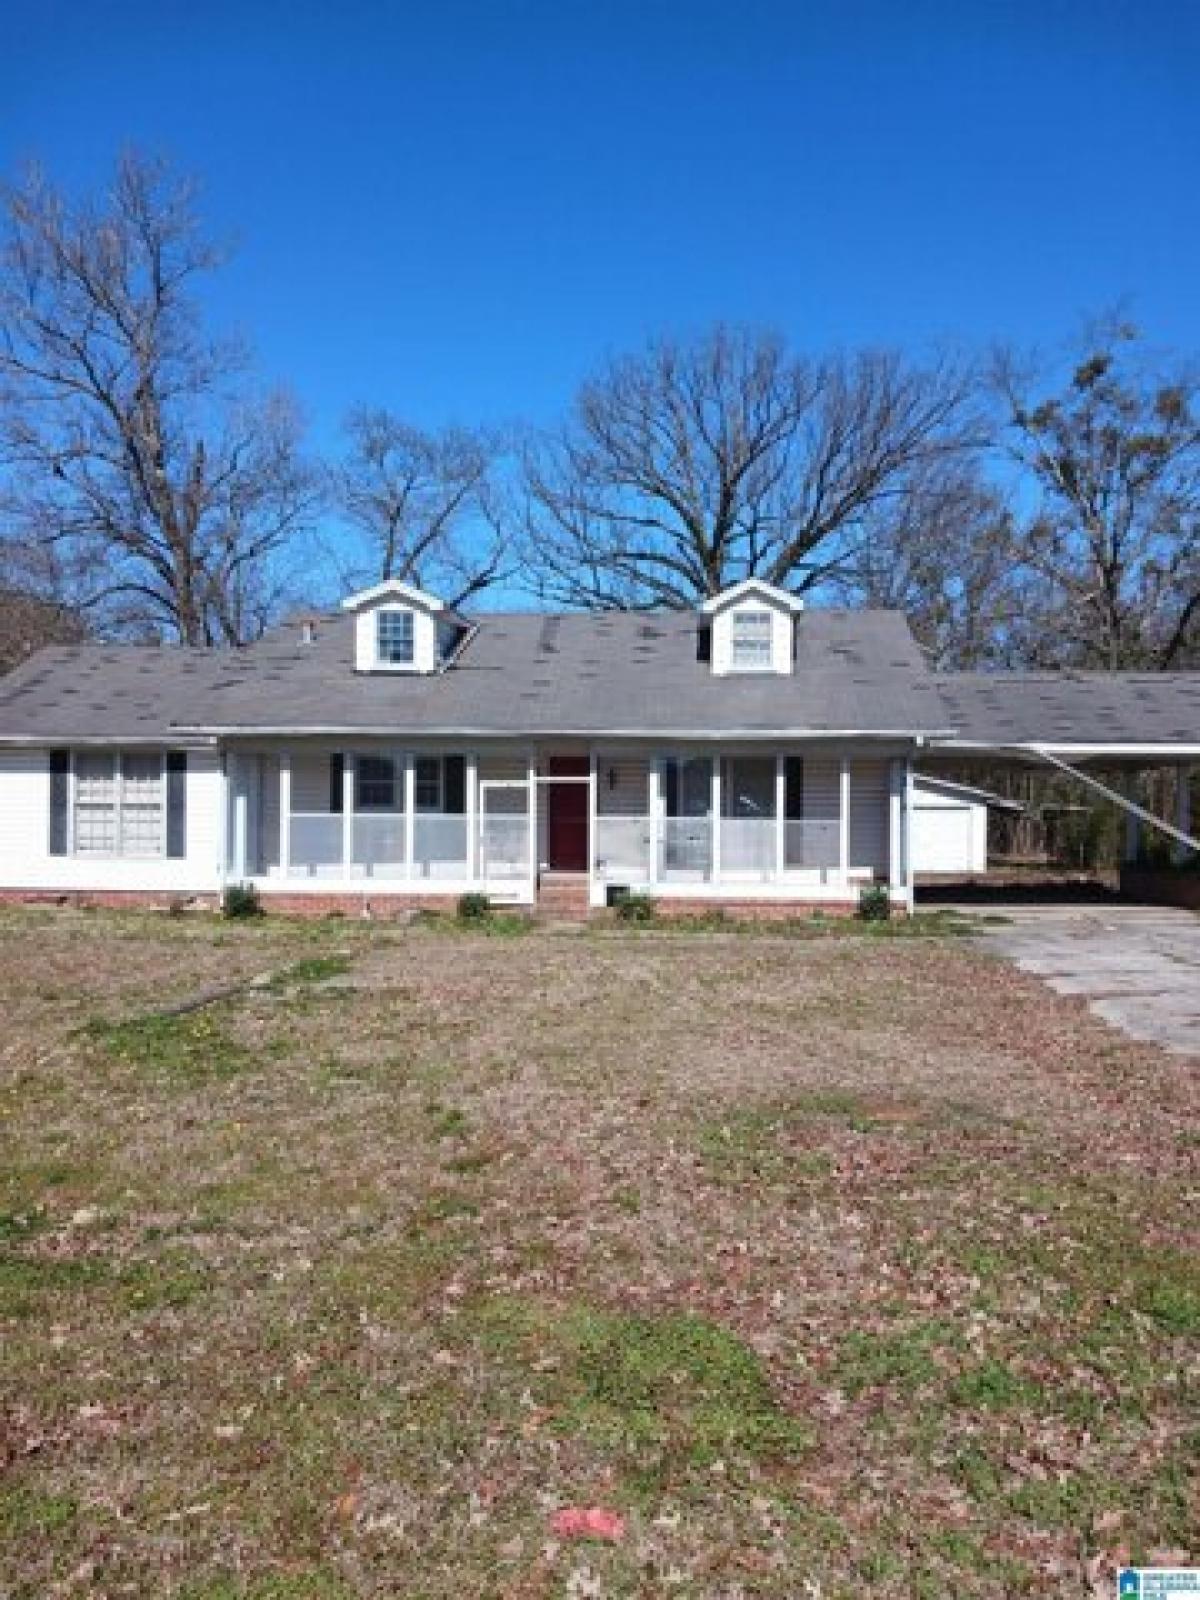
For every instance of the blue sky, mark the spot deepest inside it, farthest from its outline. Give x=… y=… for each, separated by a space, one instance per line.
x=455 y=209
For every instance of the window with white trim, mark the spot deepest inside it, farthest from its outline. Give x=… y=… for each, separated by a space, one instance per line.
x=750 y=641
x=394 y=636
x=119 y=803
x=427 y=783
x=376 y=786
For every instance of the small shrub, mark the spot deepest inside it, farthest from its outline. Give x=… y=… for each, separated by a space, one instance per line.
x=874 y=903
x=241 y=900
x=635 y=908
x=474 y=908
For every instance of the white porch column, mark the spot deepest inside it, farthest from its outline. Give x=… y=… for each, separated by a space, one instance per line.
x=347 y=813
x=472 y=799
x=1133 y=824
x=410 y=812
x=715 y=842
x=591 y=822
x=910 y=860
x=240 y=819
x=1183 y=808
x=222 y=821
x=897 y=795
x=780 y=817
x=655 y=804
x=532 y=805
x=844 y=821
x=285 y=814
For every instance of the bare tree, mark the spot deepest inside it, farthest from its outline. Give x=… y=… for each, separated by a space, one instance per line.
x=425 y=505
x=127 y=450
x=942 y=554
x=1112 y=553
x=693 y=464
x=27 y=622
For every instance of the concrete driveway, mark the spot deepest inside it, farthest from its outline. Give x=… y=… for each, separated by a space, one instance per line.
x=1137 y=966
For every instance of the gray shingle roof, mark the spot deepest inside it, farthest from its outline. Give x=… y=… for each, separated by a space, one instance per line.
x=1073 y=707
x=618 y=673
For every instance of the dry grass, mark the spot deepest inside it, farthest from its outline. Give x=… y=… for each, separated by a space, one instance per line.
x=833 y=1266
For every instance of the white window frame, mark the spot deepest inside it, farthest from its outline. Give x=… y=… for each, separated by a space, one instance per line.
x=375 y=808
x=119 y=808
x=385 y=616
x=761 y=643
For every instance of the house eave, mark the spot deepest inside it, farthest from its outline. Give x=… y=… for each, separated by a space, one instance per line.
x=466 y=731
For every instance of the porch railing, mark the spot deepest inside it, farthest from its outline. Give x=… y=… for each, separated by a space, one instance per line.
x=378 y=845
x=749 y=847
x=503 y=847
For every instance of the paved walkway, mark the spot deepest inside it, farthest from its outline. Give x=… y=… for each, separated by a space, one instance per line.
x=1137 y=966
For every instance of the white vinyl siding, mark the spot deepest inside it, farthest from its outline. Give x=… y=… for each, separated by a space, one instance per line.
x=25 y=858
x=870 y=794
x=622 y=786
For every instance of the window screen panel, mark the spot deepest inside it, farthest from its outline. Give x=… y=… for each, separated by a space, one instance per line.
x=751 y=638
x=95 y=803
x=141 y=830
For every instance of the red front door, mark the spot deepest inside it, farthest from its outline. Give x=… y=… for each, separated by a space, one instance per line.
x=567 y=815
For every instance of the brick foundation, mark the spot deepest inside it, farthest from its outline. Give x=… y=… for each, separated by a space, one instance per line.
x=110 y=899
x=383 y=906
x=379 y=906
x=758 y=910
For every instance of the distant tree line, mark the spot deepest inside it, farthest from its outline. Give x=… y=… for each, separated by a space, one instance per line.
x=1022 y=512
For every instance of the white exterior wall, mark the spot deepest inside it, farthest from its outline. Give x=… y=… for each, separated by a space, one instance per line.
x=424 y=639
x=26 y=862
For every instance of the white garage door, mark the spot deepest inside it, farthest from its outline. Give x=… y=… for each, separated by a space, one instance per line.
x=942 y=839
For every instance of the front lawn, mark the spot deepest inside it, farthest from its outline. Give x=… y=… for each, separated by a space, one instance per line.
x=821 y=1267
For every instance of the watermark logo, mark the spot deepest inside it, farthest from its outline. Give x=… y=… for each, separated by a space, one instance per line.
x=1158 y=1583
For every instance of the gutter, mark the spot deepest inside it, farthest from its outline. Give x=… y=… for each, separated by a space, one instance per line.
x=183 y=739
x=394 y=730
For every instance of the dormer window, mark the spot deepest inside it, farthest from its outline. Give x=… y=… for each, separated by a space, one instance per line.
x=394 y=638
x=750 y=628
x=401 y=629
x=751 y=641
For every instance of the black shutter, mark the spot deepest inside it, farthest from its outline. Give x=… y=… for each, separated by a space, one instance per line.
x=793 y=787
x=704 y=642
x=454 y=785
x=60 y=789
x=337 y=766
x=176 y=804
x=671 y=787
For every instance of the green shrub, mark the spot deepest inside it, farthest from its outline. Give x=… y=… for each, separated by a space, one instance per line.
x=241 y=900
x=635 y=908
x=874 y=903
x=474 y=908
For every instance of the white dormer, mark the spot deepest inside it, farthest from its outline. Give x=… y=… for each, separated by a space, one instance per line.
x=397 y=628
x=752 y=627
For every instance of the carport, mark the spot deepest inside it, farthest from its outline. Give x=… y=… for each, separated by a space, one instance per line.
x=1102 y=732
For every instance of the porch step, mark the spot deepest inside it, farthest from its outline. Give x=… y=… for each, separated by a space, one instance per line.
x=563 y=898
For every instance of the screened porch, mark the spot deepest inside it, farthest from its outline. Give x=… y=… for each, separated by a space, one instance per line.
x=744 y=818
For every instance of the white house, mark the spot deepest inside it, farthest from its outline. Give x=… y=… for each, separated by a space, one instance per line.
x=755 y=753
